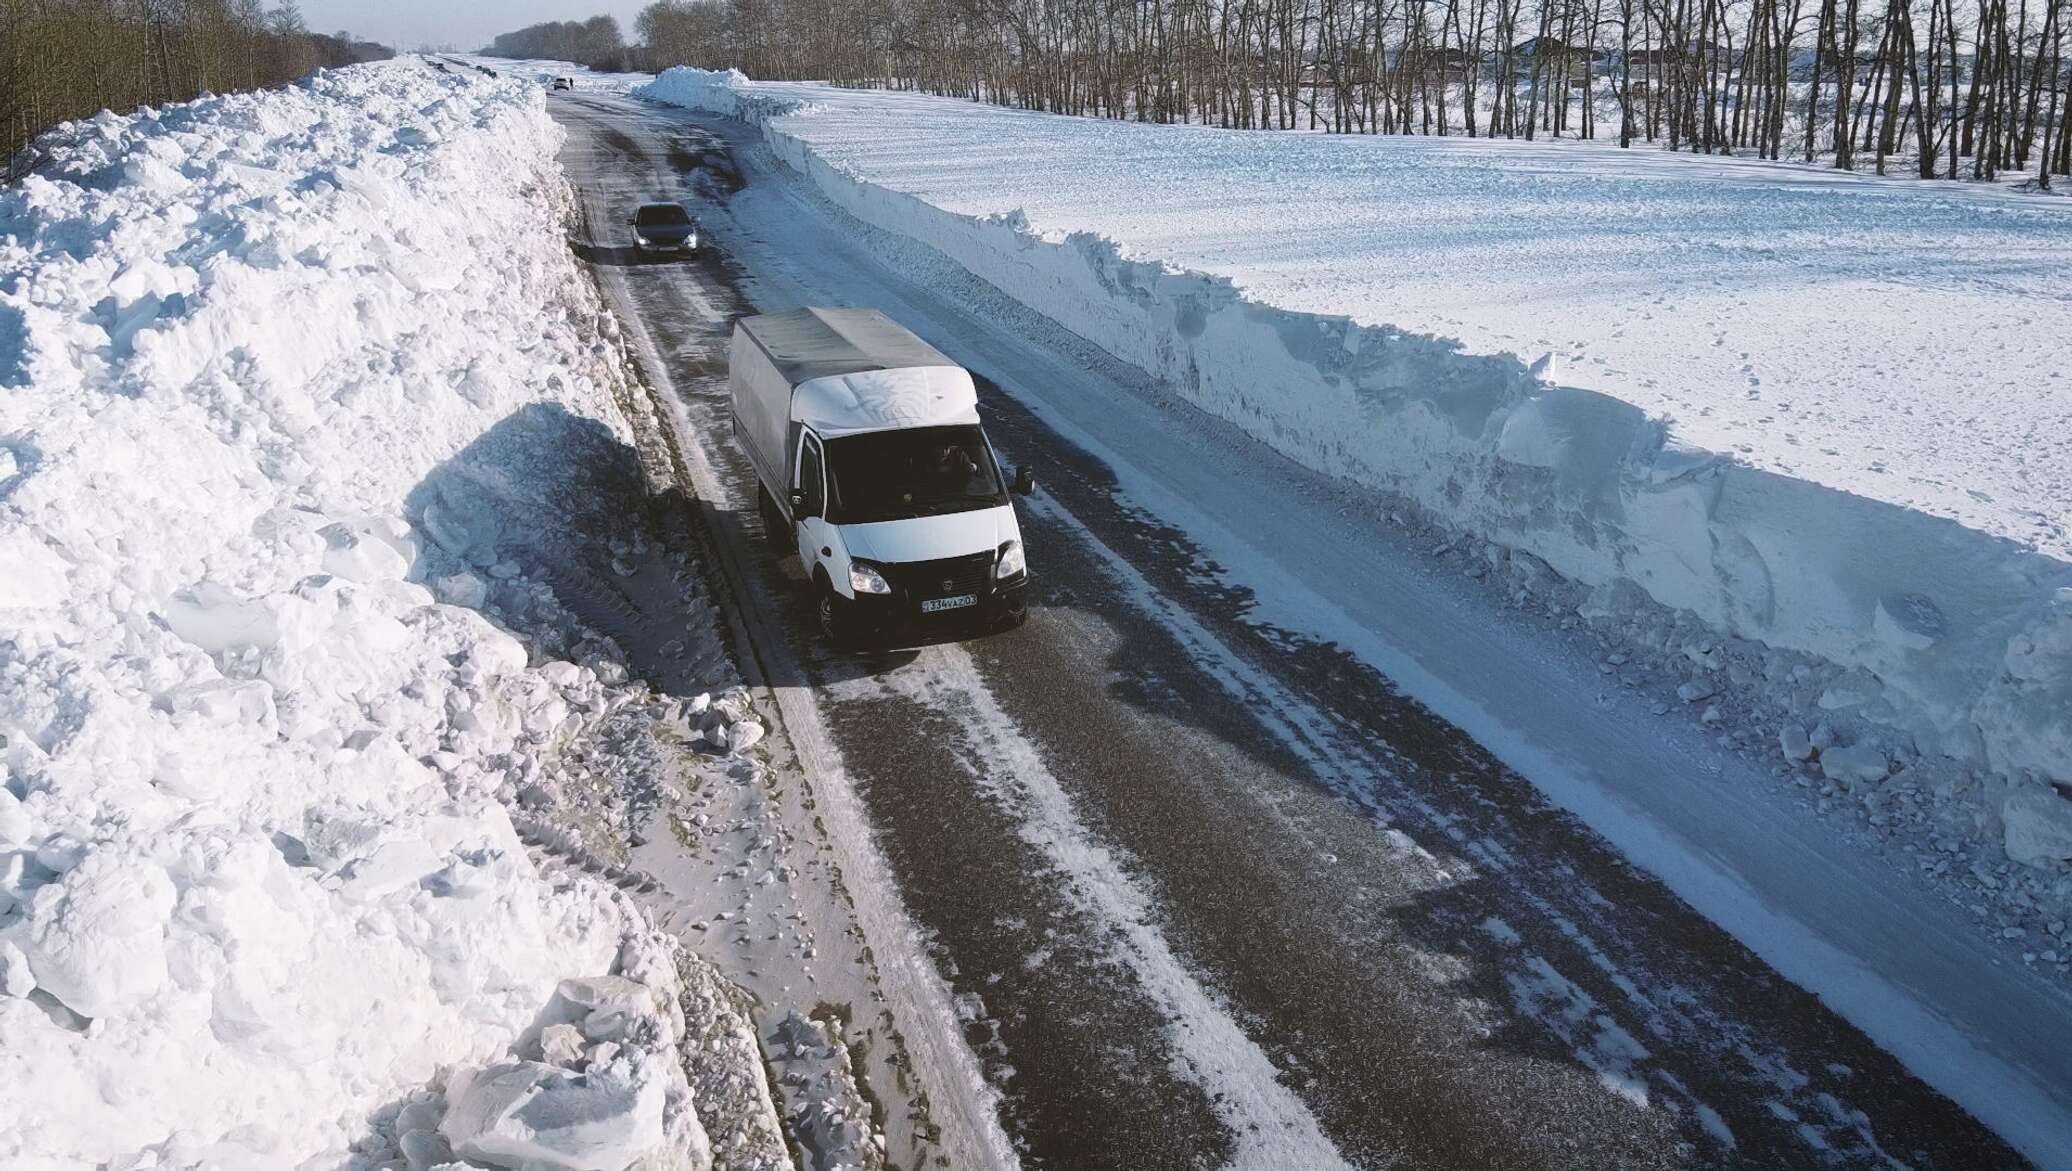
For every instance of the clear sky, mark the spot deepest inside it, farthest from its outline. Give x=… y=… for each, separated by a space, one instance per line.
x=462 y=24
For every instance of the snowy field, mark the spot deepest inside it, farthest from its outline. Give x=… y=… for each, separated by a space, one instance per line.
x=288 y=385
x=1900 y=340
x=1828 y=414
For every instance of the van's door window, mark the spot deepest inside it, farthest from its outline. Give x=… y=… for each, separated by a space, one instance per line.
x=812 y=481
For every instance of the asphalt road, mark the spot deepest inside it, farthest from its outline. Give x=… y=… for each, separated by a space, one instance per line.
x=1201 y=893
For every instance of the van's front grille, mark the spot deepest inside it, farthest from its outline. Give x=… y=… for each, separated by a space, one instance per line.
x=948 y=578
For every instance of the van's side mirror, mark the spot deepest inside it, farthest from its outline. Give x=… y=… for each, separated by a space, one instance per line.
x=1024 y=481
x=798 y=506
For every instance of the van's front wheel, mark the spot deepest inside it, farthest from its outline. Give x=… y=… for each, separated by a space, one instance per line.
x=837 y=625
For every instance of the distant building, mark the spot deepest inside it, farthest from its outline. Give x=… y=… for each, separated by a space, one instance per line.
x=1553 y=49
x=1664 y=60
x=1447 y=66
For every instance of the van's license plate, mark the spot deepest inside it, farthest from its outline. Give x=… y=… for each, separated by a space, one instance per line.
x=956 y=603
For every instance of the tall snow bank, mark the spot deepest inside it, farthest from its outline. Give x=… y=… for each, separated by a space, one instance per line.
x=728 y=92
x=255 y=883
x=1955 y=639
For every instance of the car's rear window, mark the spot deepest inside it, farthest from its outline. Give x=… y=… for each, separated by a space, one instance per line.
x=661 y=213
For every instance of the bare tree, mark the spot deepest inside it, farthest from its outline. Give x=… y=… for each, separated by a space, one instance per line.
x=65 y=59
x=1887 y=79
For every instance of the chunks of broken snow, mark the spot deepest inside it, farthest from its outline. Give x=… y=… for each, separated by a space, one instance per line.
x=1794 y=743
x=95 y=936
x=256 y=876
x=726 y=724
x=828 y=1116
x=541 y=1117
x=2027 y=708
x=1855 y=762
x=608 y=1008
x=608 y=1092
x=2038 y=826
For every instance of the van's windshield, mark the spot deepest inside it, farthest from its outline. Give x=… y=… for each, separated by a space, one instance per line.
x=926 y=471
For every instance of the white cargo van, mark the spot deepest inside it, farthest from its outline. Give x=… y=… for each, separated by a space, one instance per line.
x=872 y=463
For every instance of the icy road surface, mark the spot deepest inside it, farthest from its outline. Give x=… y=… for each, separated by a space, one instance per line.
x=1810 y=321
x=1205 y=891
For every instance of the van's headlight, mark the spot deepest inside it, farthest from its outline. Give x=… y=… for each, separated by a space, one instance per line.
x=864 y=578
x=1011 y=564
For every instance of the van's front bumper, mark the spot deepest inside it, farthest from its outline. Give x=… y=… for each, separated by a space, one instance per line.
x=998 y=604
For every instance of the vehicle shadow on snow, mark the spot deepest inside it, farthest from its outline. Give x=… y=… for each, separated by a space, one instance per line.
x=609 y=255
x=811 y=661
x=623 y=255
x=547 y=526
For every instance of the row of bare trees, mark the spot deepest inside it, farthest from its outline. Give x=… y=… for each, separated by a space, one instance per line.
x=1946 y=87
x=595 y=42
x=63 y=59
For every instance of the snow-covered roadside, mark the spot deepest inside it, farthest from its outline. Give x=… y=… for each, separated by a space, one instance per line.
x=1334 y=568
x=278 y=375
x=1914 y=672
x=544 y=72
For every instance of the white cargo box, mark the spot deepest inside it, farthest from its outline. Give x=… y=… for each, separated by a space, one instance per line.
x=839 y=372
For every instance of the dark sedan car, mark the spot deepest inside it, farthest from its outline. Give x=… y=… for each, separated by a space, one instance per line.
x=664 y=227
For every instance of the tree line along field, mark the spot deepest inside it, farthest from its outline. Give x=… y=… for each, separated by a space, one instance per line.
x=1938 y=88
x=596 y=42
x=1944 y=88
x=65 y=59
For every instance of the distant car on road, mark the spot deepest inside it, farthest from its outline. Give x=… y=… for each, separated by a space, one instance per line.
x=664 y=227
x=564 y=83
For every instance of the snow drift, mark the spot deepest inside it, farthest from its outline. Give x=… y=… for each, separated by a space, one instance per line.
x=1958 y=635
x=727 y=92
x=256 y=883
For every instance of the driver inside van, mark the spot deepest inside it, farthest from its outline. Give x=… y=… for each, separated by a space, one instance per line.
x=955 y=465
x=885 y=475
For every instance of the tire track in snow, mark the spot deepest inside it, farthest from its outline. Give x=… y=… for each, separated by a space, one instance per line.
x=1357 y=769
x=946 y=1111
x=1347 y=757
x=1272 y=1128
x=1469 y=817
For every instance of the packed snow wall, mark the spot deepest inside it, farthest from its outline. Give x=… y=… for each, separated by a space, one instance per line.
x=268 y=363
x=1966 y=638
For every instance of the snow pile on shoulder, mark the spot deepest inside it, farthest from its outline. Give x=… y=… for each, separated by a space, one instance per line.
x=727 y=92
x=1365 y=322
x=256 y=881
x=828 y=1114
x=604 y=1085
